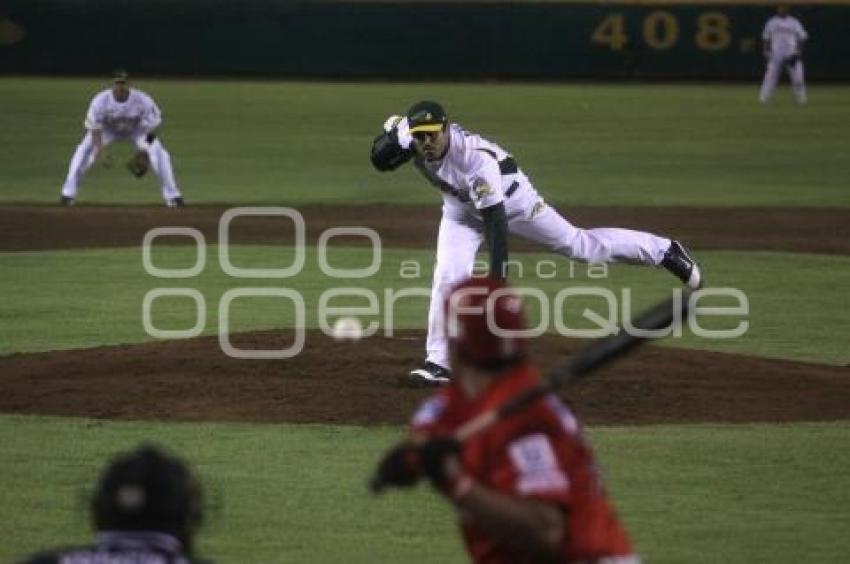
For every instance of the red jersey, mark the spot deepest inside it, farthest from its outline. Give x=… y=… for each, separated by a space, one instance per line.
x=538 y=453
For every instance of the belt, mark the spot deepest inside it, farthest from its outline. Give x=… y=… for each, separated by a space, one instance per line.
x=511 y=189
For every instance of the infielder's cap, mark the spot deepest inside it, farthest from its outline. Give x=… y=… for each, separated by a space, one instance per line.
x=485 y=323
x=120 y=76
x=426 y=116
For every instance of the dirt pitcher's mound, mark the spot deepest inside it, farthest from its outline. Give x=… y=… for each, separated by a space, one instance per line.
x=360 y=383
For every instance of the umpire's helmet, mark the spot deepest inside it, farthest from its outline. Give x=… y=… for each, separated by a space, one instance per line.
x=485 y=324
x=147 y=489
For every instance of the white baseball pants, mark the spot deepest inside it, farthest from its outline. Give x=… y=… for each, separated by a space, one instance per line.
x=775 y=65
x=458 y=243
x=85 y=156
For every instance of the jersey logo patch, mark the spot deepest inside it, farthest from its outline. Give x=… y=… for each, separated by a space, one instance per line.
x=536 y=465
x=481 y=188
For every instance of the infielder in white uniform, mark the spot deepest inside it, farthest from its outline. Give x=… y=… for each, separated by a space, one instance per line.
x=485 y=195
x=121 y=113
x=783 y=37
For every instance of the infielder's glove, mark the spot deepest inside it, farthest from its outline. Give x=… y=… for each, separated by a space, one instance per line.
x=139 y=163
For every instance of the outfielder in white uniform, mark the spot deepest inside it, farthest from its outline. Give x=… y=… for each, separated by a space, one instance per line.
x=783 y=37
x=485 y=195
x=115 y=114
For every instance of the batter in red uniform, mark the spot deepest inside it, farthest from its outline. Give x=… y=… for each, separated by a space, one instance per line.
x=526 y=489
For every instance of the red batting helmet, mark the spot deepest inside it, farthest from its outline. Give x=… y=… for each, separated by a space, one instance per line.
x=485 y=323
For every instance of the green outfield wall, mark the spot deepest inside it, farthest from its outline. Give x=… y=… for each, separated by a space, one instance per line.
x=409 y=40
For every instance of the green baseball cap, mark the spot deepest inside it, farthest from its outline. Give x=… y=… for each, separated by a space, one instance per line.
x=426 y=116
x=120 y=76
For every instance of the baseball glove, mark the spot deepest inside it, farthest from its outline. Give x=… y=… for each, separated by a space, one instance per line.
x=139 y=164
x=387 y=154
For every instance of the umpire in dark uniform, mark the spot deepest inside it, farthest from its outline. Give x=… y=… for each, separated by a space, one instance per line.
x=147 y=508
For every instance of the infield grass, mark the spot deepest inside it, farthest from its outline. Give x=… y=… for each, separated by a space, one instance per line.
x=86 y=298
x=291 y=493
x=293 y=142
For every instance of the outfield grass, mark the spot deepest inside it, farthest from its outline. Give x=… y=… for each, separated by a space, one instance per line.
x=291 y=493
x=273 y=142
x=85 y=298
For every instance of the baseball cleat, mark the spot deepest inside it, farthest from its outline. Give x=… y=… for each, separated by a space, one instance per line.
x=679 y=263
x=175 y=203
x=430 y=374
x=66 y=201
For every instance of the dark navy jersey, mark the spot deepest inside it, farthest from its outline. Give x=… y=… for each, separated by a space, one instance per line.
x=115 y=547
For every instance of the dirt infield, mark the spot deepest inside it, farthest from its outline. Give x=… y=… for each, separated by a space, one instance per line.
x=360 y=383
x=806 y=230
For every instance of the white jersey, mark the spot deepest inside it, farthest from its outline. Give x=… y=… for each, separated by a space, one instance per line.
x=138 y=114
x=785 y=35
x=474 y=174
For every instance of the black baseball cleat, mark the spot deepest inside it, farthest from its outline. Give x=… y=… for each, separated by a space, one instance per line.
x=430 y=374
x=175 y=203
x=66 y=201
x=679 y=263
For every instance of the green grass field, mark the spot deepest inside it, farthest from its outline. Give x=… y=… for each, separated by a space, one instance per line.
x=284 y=493
x=36 y=278
x=304 y=142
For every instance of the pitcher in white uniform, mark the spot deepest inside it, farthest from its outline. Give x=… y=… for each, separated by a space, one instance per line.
x=784 y=38
x=115 y=114
x=485 y=196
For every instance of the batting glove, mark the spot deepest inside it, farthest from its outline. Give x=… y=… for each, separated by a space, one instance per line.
x=440 y=458
x=400 y=468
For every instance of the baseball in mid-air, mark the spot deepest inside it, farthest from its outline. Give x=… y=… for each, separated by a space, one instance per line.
x=347 y=329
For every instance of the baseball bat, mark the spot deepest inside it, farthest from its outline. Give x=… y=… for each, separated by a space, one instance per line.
x=586 y=361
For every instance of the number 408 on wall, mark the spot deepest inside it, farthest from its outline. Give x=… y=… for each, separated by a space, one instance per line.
x=660 y=30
